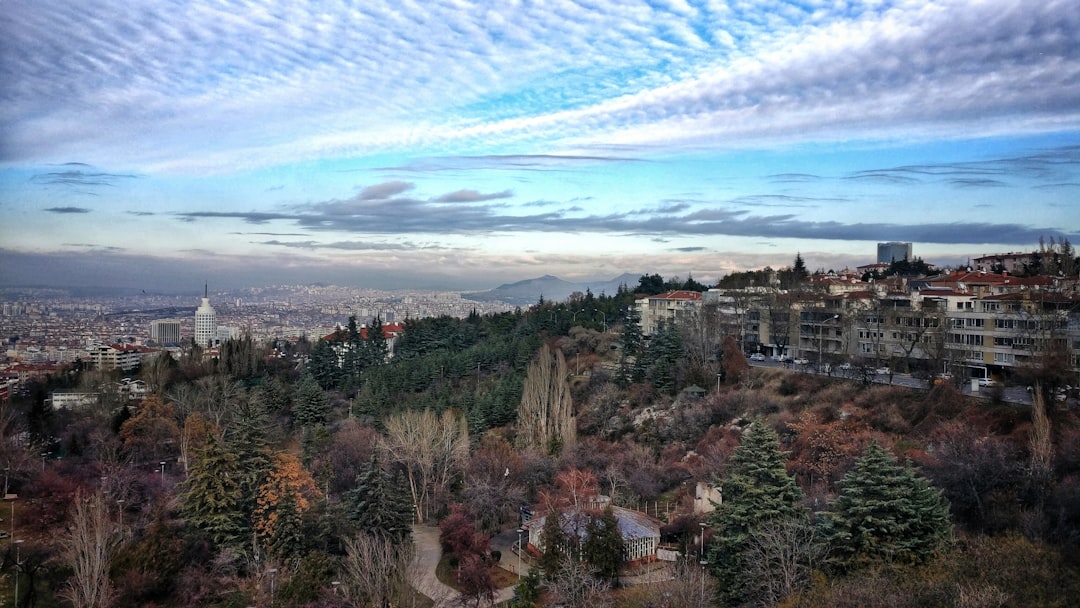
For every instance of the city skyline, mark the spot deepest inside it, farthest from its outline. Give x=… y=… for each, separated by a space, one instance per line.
x=458 y=146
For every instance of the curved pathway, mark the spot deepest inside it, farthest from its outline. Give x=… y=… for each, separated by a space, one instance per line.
x=426 y=555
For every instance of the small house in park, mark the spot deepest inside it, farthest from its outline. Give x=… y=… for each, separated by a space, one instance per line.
x=640 y=533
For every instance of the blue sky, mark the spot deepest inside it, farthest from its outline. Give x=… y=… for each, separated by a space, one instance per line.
x=454 y=144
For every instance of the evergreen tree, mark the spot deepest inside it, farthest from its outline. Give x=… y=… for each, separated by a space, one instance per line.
x=310 y=407
x=246 y=437
x=379 y=504
x=603 y=547
x=212 y=495
x=323 y=365
x=665 y=351
x=555 y=543
x=799 y=273
x=375 y=346
x=286 y=539
x=631 y=359
x=757 y=490
x=527 y=592
x=353 y=357
x=885 y=512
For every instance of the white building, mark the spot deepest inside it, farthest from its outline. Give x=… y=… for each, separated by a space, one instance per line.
x=205 y=323
x=165 y=331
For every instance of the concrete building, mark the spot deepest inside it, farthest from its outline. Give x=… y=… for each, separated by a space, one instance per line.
x=165 y=331
x=640 y=533
x=666 y=308
x=205 y=323
x=893 y=251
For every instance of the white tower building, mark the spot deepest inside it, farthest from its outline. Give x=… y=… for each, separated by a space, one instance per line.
x=205 y=322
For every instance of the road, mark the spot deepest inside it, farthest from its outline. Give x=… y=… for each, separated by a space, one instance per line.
x=1012 y=394
x=426 y=559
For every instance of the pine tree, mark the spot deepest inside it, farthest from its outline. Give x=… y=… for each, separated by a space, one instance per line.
x=555 y=544
x=212 y=495
x=375 y=347
x=603 y=547
x=757 y=490
x=323 y=365
x=663 y=356
x=310 y=407
x=885 y=512
x=799 y=273
x=379 y=504
x=245 y=436
x=631 y=360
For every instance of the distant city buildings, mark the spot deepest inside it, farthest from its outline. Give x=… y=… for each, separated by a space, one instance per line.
x=893 y=251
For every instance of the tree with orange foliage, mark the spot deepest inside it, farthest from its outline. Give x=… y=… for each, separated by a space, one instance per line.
x=281 y=502
x=148 y=435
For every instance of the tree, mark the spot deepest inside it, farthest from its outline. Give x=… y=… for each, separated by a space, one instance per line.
x=432 y=449
x=757 y=491
x=782 y=554
x=546 y=414
x=527 y=592
x=379 y=505
x=282 y=500
x=375 y=346
x=631 y=361
x=603 y=546
x=213 y=495
x=885 y=513
x=89 y=549
x=474 y=578
x=149 y=434
x=323 y=365
x=311 y=407
x=663 y=356
x=376 y=568
x=576 y=587
x=555 y=544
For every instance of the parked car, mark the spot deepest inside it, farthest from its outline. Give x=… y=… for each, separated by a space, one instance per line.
x=757 y=357
x=845 y=366
x=987 y=382
x=800 y=361
x=883 y=371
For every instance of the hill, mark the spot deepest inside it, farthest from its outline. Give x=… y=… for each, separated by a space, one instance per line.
x=551 y=288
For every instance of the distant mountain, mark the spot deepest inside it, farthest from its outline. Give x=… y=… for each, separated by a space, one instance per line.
x=529 y=291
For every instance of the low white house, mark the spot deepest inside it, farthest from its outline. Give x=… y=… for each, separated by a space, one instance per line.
x=640 y=533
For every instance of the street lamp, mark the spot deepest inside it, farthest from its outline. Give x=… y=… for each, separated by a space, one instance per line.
x=820 y=331
x=602 y=316
x=18 y=569
x=43 y=455
x=519 y=531
x=162 y=463
x=120 y=508
x=272 y=572
x=701 y=560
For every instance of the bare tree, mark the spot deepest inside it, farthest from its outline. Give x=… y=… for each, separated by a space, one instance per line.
x=782 y=556
x=546 y=414
x=690 y=587
x=89 y=547
x=376 y=567
x=432 y=448
x=576 y=587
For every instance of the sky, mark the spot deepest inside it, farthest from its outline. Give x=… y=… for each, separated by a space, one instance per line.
x=448 y=144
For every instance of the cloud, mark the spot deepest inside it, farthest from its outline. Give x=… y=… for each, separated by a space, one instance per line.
x=689 y=249
x=261 y=84
x=141 y=213
x=68 y=210
x=472 y=196
x=383 y=191
x=77 y=178
x=398 y=216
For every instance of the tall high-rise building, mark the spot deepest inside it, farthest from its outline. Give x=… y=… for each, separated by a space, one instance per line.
x=893 y=251
x=205 y=322
x=165 y=331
